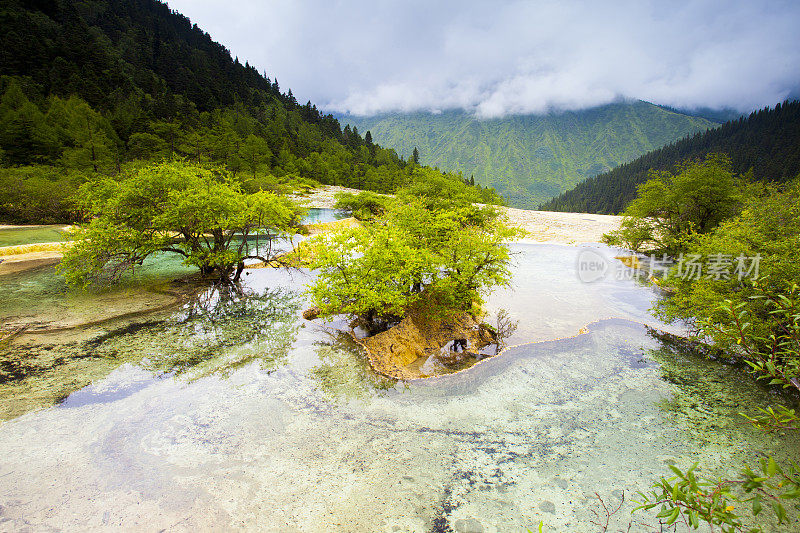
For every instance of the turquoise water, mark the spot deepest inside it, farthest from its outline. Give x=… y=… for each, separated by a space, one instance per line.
x=30 y=234
x=41 y=299
x=230 y=411
x=318 y=216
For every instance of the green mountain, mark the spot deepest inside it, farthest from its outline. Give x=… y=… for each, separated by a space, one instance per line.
x=767 y=143
x=91 y=87
x=532 y=158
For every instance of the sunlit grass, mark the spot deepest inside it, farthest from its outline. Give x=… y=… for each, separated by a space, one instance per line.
x=30 y=248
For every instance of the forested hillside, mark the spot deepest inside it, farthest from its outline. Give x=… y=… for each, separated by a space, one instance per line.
x=532 y=158
x=96 y=86
x=767 y=141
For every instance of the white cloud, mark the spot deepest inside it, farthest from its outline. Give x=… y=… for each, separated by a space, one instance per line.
x=500 y=57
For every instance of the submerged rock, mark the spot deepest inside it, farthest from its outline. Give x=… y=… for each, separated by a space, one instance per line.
x=547 y=507
x=469 y=525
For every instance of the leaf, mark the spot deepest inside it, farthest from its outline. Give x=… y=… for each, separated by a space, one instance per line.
x=693 y=519
x=673 y=516
x=794 y=493
x=757 y=506
x=780 y=512
x=772 y=467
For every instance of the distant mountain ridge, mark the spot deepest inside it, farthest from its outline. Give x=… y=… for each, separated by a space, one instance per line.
x=767 y=141
x=531 y=158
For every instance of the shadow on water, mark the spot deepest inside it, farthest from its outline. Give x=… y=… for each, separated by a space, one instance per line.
x=711 y=392
x=219 y=330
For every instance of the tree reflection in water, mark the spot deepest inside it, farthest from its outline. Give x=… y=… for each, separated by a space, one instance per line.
x=218 y=331
x=344 y=373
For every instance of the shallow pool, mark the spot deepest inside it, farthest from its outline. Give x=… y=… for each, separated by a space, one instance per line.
x=320 y=215
x=230 y=412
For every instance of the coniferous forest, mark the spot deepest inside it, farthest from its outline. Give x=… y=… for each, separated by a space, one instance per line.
x=97 y=86
x=767 y=142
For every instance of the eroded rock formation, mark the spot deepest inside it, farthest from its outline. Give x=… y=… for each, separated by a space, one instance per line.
x=394 y=352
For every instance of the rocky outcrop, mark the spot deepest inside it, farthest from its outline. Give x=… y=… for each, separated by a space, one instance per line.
x=393 y=353
x=311 y=313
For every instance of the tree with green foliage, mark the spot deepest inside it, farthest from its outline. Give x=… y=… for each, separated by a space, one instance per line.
x=91 y=143
x=365 y=205
x=25 y=136
x=671 y=207
x=415 y=156
x=375 y=272
x=146 y=146
x=196 y=212
x=255 y=153
x=753 y=316
x=39 y=194
x=760 y=242
x=437 y=189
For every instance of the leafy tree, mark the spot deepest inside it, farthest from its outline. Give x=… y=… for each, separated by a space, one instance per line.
x=377 y=271
x=170 y=132
x=364 y=205
x=143 y=145
x=36 y=194
x=196 y=212
x=671 y=207
x=765 y=235
x=756 y=320
x=415 y=156
x=255 y=152
x=436 y=190
x=25 y=136
x=91 y=141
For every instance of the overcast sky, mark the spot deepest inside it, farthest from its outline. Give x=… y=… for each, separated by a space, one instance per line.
x=503 y=57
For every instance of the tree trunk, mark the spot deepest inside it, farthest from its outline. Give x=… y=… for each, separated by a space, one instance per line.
x=239 y=269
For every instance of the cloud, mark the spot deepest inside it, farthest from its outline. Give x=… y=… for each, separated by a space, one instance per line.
x=512 y=57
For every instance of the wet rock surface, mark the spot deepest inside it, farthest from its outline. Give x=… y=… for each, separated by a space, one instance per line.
x=403 y=351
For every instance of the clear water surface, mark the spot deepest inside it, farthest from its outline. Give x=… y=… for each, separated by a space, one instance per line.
x=228 y=412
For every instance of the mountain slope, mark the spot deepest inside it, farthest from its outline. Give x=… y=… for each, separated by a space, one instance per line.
x=531 y=158
x=767 y=141
x=90 y=87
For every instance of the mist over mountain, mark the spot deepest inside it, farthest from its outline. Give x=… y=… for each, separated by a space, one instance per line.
x=508 y=57
x=531 y=158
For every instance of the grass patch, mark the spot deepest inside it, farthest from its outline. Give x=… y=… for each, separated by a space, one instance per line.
x=30 y=248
